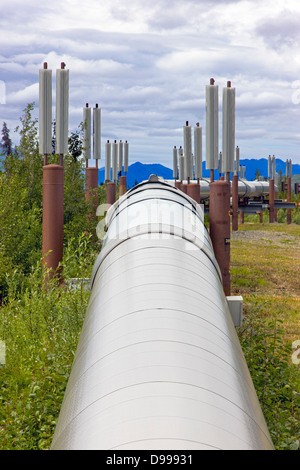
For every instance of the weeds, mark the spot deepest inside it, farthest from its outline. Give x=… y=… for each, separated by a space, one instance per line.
x=275 y=377
x=40 y=328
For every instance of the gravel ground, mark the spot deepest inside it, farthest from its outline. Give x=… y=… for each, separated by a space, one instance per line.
x=276 y=237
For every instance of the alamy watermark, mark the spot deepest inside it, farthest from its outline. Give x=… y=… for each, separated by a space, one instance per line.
x=149 y=217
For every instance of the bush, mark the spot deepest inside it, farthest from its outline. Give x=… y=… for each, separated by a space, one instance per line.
x=275 y=377
x=40 y=328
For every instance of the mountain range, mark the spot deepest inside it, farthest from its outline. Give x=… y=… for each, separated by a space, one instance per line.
x=138 y=171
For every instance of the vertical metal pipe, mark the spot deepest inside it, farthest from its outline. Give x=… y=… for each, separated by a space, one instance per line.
x=45 y=112
x=110 y=192
x=87 y=123
x=198 y=151
x=242 y=217
x=269 y=167
x=91 y=181
x=289 y=199
x=212 y=125
x=219 y=222
x=96 y=133
x=53 y=219
x=183 y=187
x=62 y=111
x=193 y=190
x=237 y=160
x=228 y=135
x=126 y=156
x=235 y=202
x=107 y=161
x=271 y=201
x=115 y=161
x=188 y=158
x=122 y=185
x=175 y=162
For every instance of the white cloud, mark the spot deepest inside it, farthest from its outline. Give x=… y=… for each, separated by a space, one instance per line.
x=24 y=96
x=147 y=65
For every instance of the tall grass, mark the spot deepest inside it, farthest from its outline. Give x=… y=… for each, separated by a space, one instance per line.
x=40 y=328
x=276 y=378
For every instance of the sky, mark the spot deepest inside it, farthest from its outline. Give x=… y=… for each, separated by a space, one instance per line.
x=146 y=64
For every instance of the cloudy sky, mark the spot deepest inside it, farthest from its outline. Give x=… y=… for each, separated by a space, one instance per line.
x=147 y=63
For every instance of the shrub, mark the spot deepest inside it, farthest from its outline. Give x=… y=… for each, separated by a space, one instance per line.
x=275 y=377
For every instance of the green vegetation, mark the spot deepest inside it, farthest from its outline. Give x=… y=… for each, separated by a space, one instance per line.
x=265 y=271
x=40 y=327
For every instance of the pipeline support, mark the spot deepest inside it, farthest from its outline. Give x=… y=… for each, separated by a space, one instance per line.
x=53 y=217
x=219 y=222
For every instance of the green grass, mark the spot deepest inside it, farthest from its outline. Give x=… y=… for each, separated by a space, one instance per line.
x=265 y=271
x=41 y=330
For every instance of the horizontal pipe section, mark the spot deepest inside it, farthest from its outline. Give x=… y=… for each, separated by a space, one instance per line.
x=158 y=364
x=246 y=189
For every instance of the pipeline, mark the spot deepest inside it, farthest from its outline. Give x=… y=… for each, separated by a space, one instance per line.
x=158 y=364
x=246 y=189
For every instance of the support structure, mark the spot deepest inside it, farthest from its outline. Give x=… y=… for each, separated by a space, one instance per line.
x=110 y=192
x=91 y=183
x=235 y=203
x=91 y=173
x=193 y=190
x=271 y=201
x=219 y=222
x=289 y=199
x=53 y=175
x=53 y=218
x=122 y=185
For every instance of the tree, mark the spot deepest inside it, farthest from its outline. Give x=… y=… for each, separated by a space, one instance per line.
x=75 y=145
x=29 y=145
x=21 y=185
x=6 y=141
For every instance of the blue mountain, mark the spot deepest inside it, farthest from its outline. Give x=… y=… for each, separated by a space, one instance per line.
x=138 y=172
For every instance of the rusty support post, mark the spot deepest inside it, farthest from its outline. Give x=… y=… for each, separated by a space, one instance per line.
x=110 y=192
x=271 y=201
x=193 y=190
x=289 y=199
x=53 y=218
x=122 y=185
x=91 y=183
x=183 y=187
x=219 y=222
x=235 y=203
x=242 y=217
x=177 y=184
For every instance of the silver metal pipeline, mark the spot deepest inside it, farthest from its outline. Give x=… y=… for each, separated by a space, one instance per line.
x=158 y=364
x=247 y=189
